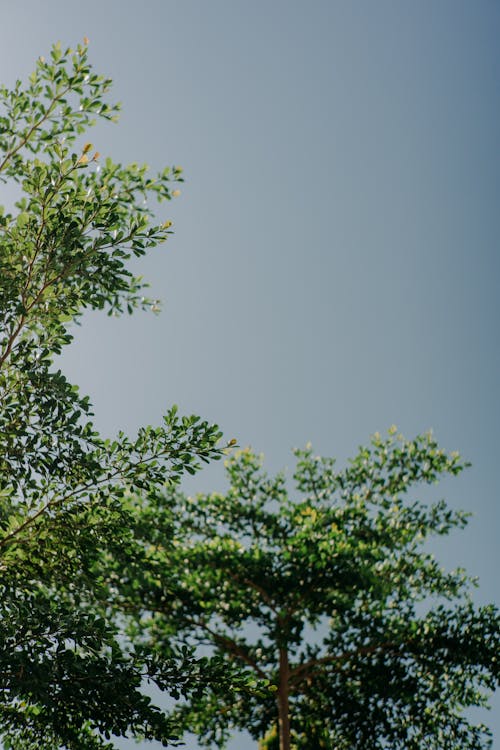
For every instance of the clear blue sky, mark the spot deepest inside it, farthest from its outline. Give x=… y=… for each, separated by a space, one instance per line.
x=335 y=267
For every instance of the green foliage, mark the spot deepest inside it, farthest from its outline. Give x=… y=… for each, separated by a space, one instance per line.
x=327 y=608
x=329 y=602
x=69 y=675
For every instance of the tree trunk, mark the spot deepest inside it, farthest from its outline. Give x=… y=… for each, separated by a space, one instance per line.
x=283 y=704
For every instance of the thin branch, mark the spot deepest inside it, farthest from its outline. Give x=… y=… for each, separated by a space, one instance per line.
x=57 y=502
x=303 y=671
x=34 y=127
x=230 y=645
x=255 y=586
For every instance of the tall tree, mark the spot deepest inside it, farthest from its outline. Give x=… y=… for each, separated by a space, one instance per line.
x=68 y=677
x=354 y=636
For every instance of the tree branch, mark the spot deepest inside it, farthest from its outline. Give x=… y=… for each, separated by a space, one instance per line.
x=303 y=671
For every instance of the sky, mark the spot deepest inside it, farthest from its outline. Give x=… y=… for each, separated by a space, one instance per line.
x=335 y=265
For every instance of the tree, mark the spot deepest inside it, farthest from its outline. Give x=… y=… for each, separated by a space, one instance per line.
x=69 y=677
x=355 y=637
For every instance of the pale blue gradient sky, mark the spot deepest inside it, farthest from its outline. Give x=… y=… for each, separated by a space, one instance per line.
x=335 y=267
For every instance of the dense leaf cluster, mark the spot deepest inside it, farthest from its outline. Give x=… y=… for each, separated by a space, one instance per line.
x=68 y=675
x=329 y=600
